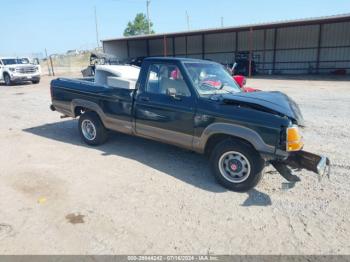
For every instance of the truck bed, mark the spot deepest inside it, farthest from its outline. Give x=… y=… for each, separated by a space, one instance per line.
x=115 y=103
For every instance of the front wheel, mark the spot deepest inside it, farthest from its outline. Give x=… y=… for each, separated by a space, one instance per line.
x=236 y=165
x=91 y=129
x=36 y=81
x=7 y=79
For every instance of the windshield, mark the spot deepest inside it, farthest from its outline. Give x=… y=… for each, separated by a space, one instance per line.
x=210 y=79
x=15 y=61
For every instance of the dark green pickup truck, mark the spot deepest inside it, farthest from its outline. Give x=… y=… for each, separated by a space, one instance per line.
x=193 y=104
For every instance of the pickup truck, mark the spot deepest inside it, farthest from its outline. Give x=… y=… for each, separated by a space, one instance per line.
x=171 y=100
x=16 y=70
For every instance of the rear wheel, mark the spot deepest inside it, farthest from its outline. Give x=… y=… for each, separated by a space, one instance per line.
x=7 y=79
x=91 y=129
x=236 y=165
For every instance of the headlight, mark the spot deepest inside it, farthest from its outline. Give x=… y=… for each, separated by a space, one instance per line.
x=12 y=69
x=294 y=139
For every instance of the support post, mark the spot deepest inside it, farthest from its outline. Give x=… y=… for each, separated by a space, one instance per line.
x=174 y=46
x=264 y=51
x=48 y=65
x=236 y=47
x=96 y=27
x=274 y=51
x=53 y=71
x=128 y=49
x=203 y=46
x=148 y=20
x=147 y=47
x=165 y=46
x=250 y=51
x=319 y=48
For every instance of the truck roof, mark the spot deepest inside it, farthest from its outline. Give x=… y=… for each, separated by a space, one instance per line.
x=181 y=59
x=13 y=57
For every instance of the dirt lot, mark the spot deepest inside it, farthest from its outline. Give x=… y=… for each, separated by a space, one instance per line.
x=132 y=195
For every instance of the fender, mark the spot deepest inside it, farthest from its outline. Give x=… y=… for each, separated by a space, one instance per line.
x=89 y=105
x=233 y=130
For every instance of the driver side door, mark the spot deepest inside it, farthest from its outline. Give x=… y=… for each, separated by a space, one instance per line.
x=161 y=114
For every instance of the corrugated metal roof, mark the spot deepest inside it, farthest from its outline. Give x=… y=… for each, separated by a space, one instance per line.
x=284 y=23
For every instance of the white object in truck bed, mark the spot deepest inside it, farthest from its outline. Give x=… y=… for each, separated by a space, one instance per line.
x=123 y=71
x=118 y=82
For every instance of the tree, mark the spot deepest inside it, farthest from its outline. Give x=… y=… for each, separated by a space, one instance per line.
x=139 y=26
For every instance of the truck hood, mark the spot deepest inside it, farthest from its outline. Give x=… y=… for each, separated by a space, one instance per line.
x=21 y=65
x=273 y=102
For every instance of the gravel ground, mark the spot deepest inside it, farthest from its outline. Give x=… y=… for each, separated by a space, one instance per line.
x=134 y=196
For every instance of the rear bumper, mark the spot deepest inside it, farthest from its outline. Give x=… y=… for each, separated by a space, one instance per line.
x=303 y=160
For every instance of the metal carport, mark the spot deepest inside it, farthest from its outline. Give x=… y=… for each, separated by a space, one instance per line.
x=306 y=46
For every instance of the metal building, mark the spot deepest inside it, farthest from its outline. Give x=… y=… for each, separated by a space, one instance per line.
x=306 y=46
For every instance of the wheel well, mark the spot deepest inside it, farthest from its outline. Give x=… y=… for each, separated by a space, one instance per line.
x=217 y=138
x=79 y=110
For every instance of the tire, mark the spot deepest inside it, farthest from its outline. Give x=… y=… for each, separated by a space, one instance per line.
x=7 y=79
x=236 y=165
x=91 y=129
x=36 y=81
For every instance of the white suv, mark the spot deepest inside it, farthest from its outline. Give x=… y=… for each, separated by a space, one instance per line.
x=15 y=70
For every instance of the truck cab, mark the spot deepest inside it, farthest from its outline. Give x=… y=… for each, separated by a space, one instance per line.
x=17 y=70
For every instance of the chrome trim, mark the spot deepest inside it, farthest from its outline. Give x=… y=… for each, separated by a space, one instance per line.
x=88 y=129
x=26 y=70
x=164 y=135
x=63 y=107
x=108 y=121
x=323 y=167
x=228 y=173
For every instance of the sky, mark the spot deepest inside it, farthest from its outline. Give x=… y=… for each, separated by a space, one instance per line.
x=29 y=27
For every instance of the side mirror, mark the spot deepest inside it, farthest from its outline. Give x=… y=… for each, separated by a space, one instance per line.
x=240 y=80
x=172 y=93
x=36 y=61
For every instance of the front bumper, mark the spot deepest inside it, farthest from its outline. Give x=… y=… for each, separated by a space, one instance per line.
x=303 y=160
x=24 y=77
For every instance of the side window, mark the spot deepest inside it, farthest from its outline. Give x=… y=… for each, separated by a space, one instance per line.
x=161 y=77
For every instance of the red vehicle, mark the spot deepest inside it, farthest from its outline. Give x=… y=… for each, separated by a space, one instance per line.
x=241 y=81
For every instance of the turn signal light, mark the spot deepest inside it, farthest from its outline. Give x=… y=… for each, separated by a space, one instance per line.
x=294 y=139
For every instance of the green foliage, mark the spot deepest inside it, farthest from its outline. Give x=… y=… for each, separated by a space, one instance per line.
x=139 y=26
